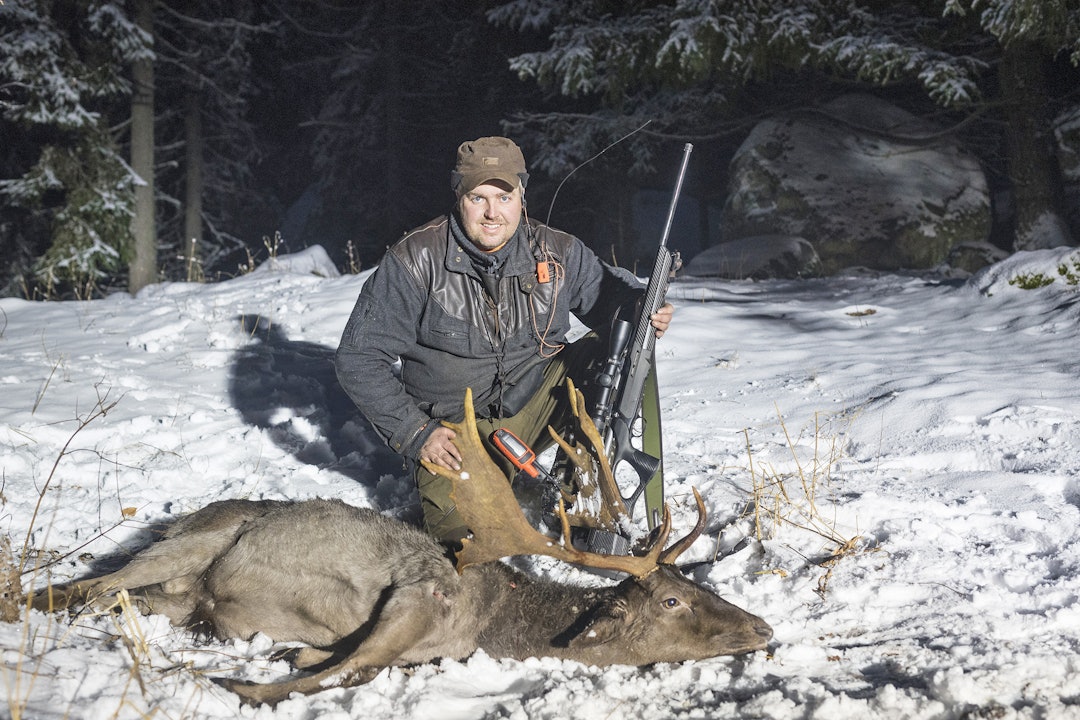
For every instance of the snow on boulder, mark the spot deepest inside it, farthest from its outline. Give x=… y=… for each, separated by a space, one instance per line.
x=309 y=261
x=1053 y=270
x=865 y=182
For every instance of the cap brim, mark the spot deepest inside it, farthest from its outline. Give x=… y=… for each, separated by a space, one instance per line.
x=471 y=182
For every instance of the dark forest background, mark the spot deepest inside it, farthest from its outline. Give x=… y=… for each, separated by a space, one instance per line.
x=143 y=141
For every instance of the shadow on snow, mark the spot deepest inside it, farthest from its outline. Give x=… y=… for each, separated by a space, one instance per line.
x=289 y=389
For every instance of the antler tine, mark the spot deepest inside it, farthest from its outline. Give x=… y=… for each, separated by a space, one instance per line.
x=669 y=556
x=499 y=529
x=610 y=496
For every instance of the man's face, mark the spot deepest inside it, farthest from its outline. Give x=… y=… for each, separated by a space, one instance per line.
x=490 y=214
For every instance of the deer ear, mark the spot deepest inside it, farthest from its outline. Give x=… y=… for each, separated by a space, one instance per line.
x=609 y=622
x=598 y=632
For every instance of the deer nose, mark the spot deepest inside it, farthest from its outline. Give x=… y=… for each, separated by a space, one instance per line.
x=763 y=631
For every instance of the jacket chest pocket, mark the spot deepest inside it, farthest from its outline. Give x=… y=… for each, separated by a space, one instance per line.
x=545 y=309
x=440 y=331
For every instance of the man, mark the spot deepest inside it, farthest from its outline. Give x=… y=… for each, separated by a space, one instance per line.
x=479 y=298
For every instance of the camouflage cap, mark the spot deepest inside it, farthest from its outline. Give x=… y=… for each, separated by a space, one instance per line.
x=488 y=158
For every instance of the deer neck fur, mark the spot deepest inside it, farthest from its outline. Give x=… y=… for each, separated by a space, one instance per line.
x=520 y=616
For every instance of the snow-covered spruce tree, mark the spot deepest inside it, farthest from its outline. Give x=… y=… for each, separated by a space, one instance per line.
x=61 y=77
x=682 y=62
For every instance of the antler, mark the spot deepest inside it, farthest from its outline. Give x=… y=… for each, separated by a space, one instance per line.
x=612 y=505
x=669 y=556
x=499 y=529
x=594 y=471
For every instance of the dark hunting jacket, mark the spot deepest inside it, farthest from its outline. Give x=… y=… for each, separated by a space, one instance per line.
x=438 y=316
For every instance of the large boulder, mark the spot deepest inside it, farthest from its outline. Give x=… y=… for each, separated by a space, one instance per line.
x=866 y=183
x=756 y=258
x=1067 y=139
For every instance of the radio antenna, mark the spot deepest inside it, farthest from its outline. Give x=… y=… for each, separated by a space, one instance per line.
x=633 y=132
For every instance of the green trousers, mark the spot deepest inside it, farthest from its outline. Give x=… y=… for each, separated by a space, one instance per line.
x=550 y=405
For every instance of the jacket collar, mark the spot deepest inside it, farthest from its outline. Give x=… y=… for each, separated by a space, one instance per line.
x=519 y=258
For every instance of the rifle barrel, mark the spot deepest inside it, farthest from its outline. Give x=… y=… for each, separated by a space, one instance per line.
x=687 y=149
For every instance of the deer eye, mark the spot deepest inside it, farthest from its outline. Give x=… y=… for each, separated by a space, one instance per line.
x=669 y=603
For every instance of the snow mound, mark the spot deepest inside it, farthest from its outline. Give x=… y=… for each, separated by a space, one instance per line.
x=310 y=261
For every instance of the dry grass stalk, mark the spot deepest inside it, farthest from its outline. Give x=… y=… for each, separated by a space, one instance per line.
x=129 y=630
x=10 y=584
x=19 y=679
x=100 y=409
x=792 y=498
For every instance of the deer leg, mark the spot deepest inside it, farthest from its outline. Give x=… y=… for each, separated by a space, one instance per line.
x=308 y=657
x=404 y=623
x=155 y=587
x=176 y=562
x=61 y=597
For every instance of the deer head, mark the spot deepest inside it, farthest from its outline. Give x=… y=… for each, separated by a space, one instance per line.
x=499 y=529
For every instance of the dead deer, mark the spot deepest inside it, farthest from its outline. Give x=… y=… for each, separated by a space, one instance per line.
x=366 y=592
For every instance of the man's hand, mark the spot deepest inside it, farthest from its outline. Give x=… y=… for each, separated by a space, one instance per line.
x=662 y=318
x=440 y=450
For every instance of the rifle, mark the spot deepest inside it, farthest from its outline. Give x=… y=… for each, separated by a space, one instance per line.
x=622 y=380
x=625 y=377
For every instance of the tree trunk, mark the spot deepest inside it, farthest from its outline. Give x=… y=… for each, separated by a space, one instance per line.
x=1033 y=168
x=193 y=158
x=143 y=268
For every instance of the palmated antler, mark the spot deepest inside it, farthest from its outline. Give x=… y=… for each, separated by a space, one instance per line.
x=499 y=529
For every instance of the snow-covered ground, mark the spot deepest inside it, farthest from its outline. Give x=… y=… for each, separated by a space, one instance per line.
x=913 y=444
